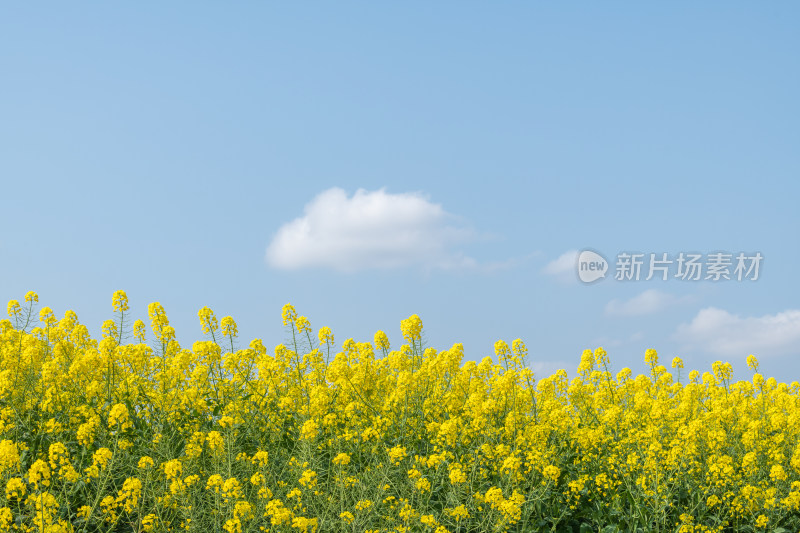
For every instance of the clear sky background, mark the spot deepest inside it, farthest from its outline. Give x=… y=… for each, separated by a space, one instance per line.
x=368 y=161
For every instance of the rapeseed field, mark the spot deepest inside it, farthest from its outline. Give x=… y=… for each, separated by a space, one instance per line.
x=133 y=432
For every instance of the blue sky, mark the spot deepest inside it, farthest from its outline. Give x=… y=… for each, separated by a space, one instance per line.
x=367 y=161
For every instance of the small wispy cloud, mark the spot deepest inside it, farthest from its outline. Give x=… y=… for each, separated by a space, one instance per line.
x=645 y=303
x=722 y=333
x=545 y=369
x=371 y=230
x=563 y=268
x=607 y=342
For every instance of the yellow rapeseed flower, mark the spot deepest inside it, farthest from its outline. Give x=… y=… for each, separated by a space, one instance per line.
x=9 y=455
x=381 y=341
x=14 y=308
x=46 y=315
x=118 y=417
x=173 y=469
x=139 y=330
x=215 y=441
x=551 y=472
x=15 y=488
x=39 y=473
x=397 y=454
x=228 y=326
x=303 y=325
x=325 y=335
x=457 y=476
x=260 y=458
x=289 y=314
x=308 y=479
x=411 y=328
x=341 y=459
x=208 y=321
x=119 y=301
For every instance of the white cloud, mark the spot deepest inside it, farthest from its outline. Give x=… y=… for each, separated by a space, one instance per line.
x=722 y=333
x=645 y=303
x=370 y=230
x=639 y=335
x=507 y=264
x=563 y=268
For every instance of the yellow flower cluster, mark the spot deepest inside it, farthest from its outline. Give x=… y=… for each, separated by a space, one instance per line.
x=103 y=435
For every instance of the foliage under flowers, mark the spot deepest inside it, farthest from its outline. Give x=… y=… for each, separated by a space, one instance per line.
x=111 y=435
